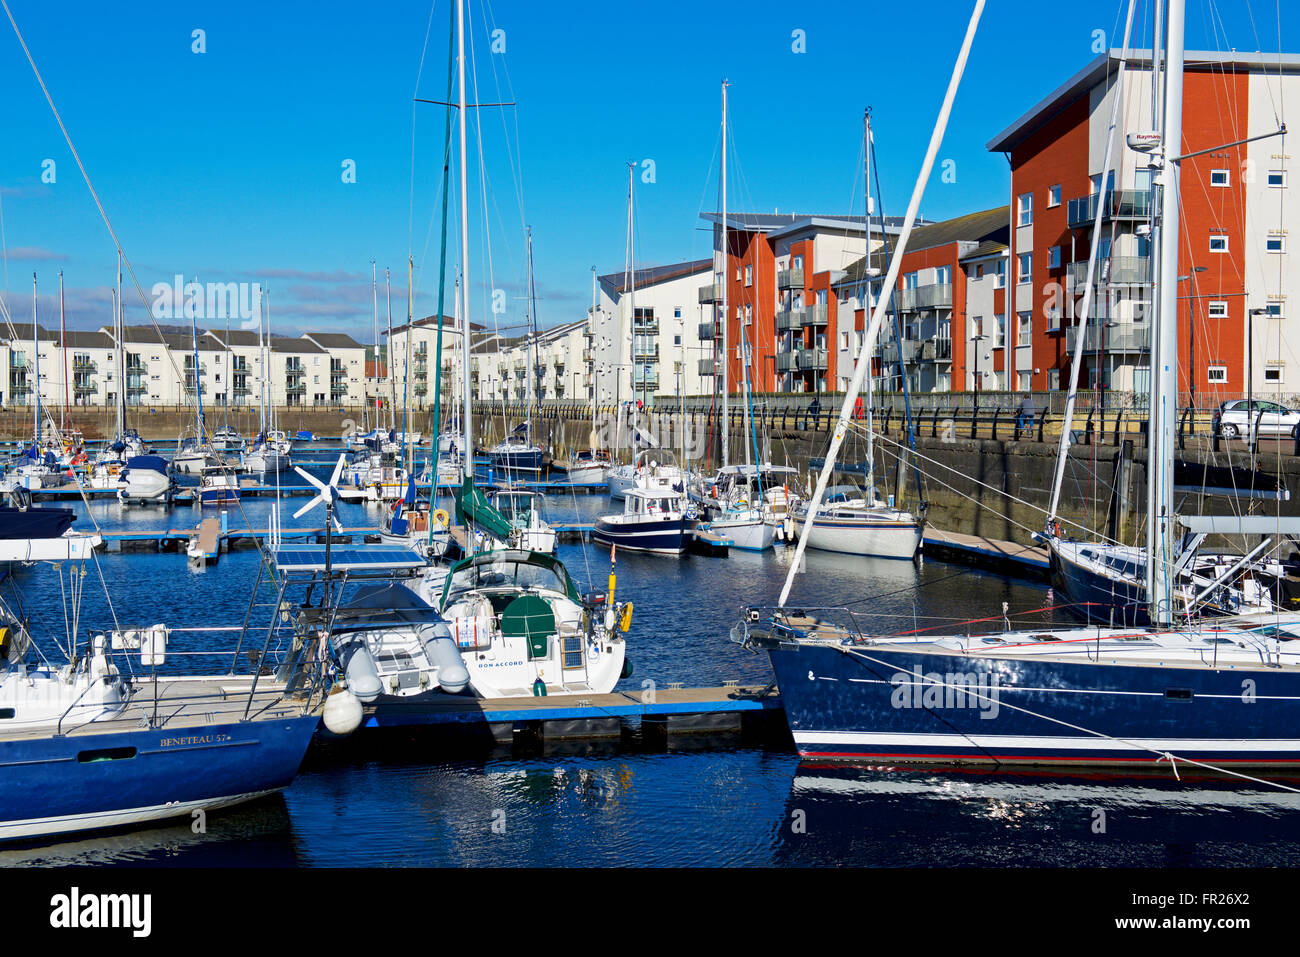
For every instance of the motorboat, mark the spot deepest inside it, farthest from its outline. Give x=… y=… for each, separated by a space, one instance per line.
x=659 y=521
x=651 y=469
x=145 y=480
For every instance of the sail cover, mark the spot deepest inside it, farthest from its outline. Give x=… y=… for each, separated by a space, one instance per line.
x=473 y=508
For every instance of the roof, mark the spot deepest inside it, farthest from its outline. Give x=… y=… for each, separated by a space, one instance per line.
x=290 y=344
x=332 y=340
x=794 y=222
x=139 y=334
x=448 y=322
x=616 y=282
x=78 y=339
x=1106 y=64
x=990 y=247
x=988 y=226
x=184 y=343
x=233 y=337
x=22 y=332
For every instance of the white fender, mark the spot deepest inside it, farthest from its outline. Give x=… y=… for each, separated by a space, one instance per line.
x=342 y=714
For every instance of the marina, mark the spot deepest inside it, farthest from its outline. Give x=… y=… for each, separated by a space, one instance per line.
x=632 y=515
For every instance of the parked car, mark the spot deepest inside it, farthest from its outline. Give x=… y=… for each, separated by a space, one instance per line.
x=1240 y=417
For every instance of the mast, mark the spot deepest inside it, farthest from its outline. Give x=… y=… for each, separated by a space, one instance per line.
x=264 y=360
x=1164 y=333
x=36 y=351
x=867 y=144
x=631 y=266
x=406 y=362
x=374 y=295
x=63 y=345
x=726 y=418
x=532 y=336
x=591 y=362
x=198 y=382
x=878 y=315
x=464 y=242
x=392 y=373
x=120 y=326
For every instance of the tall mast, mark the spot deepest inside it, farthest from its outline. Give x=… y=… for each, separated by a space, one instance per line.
x=374 y=295
x=392 y=372
x=406 y=362
x=631 y=266
x=464 y=241
x=198 y=381
x=264 y=359
x=532 y=336
x=591 y=328
x=1164 y=334
x=726 y=419
x=63 y=345
x=36 y=351
x=120 y=327
x=867 y=305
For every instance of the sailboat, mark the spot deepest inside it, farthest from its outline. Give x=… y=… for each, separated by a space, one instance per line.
x=517 y=454
x=270 y=450
x=590 y=465
x=853 y=520
x=1225 y=696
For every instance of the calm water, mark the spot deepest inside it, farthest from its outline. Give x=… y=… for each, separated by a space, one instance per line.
x=411 y=799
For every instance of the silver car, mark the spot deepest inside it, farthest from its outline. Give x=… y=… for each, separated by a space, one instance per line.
x=1240 y=417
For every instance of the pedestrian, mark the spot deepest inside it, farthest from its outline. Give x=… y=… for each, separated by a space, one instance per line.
x=857 y=408
x=815 y=406
x=1024 y=414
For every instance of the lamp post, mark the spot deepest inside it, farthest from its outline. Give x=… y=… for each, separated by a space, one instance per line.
x=1250 y=368
x=1191 y=337
x=979 y=373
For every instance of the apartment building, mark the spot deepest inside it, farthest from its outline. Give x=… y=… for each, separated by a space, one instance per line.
x=647 y=334
x=780 y=272
x=950 y=288
x=415 y=365
x=1235 y=278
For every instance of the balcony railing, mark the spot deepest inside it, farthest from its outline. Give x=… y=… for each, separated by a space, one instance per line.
x=85 y=388
x=710 y=293
x=937 y=350
x=811 y=359
x=931 y=296
x=137 y=389
x=644 y=354
x=709 y=367
x=1123 y=338
x=789 y=279
x=298 y=389
x=708 y=331
x=648 y=327
x=816 y=314
x=789 y=320
x=137 y=366
x=1117 y=269
x=787 y=361
x=85 y=365
x=1120 y=204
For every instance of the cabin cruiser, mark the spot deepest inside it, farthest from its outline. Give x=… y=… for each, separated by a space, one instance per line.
x=653 y=469
x=517 y=453
x=227 y=440
x=659 y=521
x=523 y=629
x=525 y=510
x=854 y=523
x=218 y=485
x=589 y=467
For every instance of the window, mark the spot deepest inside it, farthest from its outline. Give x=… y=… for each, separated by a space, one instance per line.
x=749 y=314
x=1216 y=374
x=844 y=341
x=1220 y=177
x=1277 y=179
x=749 y=274
x=1025 y=205
x=911 y=280
x=1025 y=326
x=943 y=275
x=1025 y=380
x=1054 y=258
x=1273 y=373
x=677 y=312
x=1219 y=243
x=1275 y=244
x=796 y=262
x=1274 y=308
x=1218 y=310
x=1002 y=274
x=1054 y=196
x=1026 y=273
x=677 y=340
x=1053 y=379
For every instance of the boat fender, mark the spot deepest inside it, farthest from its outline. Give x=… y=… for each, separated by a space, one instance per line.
x=362 y=675
x=442 y=652
x=442 y=518
x=4 y=644
x=342 y=714
x=627 y=669
x=625 y=619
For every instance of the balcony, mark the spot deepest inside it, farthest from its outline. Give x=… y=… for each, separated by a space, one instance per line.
x=710 y=293
x=937 y=350
x=646 y=354
x=789 y=320
x=811 y=359
x=1123 y=338
x=816 y=314
x=931 y=296
x=890 y=351
x=1115 y=270
x=789 y=279
x=17 y=360
x=709 y=367
x=787 y=361
x=708 y=331
x=648 y=327
x=85 y=388
x=189 y=368
x=20 y=388
x=420 y=389
x=1120 y=204
x=137 y=367
x=238 y=390
x=296 y=389
x=85 y=365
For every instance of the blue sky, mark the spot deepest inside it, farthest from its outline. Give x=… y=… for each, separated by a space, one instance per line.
x=227 y=165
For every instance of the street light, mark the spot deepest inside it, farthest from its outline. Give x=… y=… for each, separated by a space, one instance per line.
x=1191 y=337
x=979 y=375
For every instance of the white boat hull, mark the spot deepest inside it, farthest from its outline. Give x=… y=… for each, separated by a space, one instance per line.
x=874 y=538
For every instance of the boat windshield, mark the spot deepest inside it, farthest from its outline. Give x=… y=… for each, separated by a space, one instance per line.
x=518 y=506
x=505 y=573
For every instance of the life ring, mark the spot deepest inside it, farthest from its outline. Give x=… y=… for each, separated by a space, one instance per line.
x=441 y=517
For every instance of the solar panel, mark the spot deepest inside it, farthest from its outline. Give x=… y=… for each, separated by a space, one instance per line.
x=311 y=558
